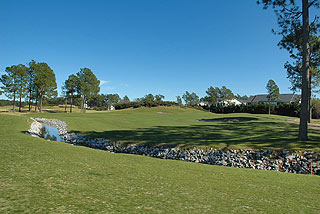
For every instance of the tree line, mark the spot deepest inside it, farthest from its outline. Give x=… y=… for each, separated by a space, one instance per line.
x=109 y=101
x=36 y=81
x=214 y=95
x=33 y=82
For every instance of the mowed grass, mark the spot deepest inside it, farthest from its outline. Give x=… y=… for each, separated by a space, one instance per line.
x=181 y=126
x=39 y=176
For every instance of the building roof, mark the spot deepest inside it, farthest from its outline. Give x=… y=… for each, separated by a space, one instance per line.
x=283 y=98
x=244 y=101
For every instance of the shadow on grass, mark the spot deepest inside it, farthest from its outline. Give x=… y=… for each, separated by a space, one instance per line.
x=53 y=111
x=230 y=119
x=269 y=135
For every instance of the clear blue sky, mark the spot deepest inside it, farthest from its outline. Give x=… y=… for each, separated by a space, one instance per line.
x=148 y=46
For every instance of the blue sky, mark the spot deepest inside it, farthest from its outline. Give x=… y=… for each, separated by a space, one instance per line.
x=148 y=46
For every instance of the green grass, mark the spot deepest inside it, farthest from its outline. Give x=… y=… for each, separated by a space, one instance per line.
x=39 y=176
x=178 y=126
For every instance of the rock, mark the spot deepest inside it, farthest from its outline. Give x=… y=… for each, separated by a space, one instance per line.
x=35 y=128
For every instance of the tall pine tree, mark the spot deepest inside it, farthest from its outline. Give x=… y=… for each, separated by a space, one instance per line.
x=9 y=81
x=88 y=85
x=70 y=88
x=45 y=82
x=273 y=92
x=289 y=20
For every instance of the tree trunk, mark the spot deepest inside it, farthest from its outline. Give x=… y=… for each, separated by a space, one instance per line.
x=41 y=98
x=310 y=109
x=303 y=126
x=20 y=103
x=14 y=101
x=65 y=105
x=83 y=105
x=269 y=108
x=71 y=105
x=30 y=100
x=310 y=100
x=35 y=107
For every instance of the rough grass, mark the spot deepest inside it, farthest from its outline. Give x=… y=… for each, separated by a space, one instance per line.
x=179 y=126
x=39 y=176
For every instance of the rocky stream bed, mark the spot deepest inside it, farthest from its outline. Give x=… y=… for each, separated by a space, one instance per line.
x=278 y=160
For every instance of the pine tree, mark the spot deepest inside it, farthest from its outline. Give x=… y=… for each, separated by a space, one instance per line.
x=289 y=14
x=273 y=92
x=88 y=85
x=45 y=81
x=10 y=83
x=21 y=83
x=31 y=88
x=70 y=88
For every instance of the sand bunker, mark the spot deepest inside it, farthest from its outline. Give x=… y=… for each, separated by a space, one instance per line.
x=225 y=121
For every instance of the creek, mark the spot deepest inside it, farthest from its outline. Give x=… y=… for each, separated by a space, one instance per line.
x=51 y=133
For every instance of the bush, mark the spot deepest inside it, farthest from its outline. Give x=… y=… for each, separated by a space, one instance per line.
x=292 y=109
x=316 y=112
x=100 y=108
x=56 y=101
x=10 y=103
x=6 y=102
x=144 y=104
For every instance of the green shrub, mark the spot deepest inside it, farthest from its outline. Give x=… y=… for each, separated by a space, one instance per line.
x=292 y=109
x=119 y=106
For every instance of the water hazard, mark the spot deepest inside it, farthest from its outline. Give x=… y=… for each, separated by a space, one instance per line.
x=50 y=133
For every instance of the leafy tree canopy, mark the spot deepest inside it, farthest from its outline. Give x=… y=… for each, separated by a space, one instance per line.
x=294 y=69
x=125 y=99
x=273 y=90
x=45 y=81
x=88 y=85
x=148 y=98
x=14 y=82
x=71 y=85
x=191 y=99
x=216 y=94
x=159 y=97
x=111 y=99
x=179 y=100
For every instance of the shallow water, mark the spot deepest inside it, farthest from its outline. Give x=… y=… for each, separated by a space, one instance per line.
x=52 y=133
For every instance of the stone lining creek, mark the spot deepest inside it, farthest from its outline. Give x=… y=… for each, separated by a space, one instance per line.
x=278 y=160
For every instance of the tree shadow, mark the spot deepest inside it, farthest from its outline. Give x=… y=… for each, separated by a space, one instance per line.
x=53 y=111
x=230 y=119
x=268 y=135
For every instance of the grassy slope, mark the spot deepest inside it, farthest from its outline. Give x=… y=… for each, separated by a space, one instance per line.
x=181 y=126
x=38 y=176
